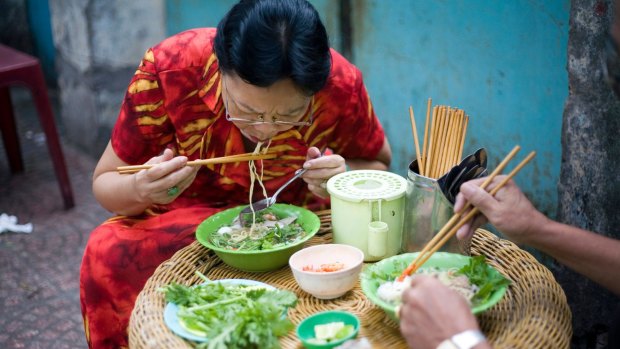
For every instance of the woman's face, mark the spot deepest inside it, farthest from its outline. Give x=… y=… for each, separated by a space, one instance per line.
x=262 y=112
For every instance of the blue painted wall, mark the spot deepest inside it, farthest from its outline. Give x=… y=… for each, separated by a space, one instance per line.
x=39 y=20
x=503 y=62
x=186 y=14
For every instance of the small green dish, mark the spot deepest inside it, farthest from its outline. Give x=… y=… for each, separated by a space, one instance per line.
x=305 y=330
x=262 y=260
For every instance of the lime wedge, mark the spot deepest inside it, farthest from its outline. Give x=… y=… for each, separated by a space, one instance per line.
x=344 y=332
x=328 y=331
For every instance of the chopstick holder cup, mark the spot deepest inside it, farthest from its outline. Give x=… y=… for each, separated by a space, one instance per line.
x=427 y=210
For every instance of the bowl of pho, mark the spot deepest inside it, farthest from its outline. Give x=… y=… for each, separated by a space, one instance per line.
x=479 y=283
x=265 y=245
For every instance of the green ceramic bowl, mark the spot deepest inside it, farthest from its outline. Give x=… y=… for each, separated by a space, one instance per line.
x=305 y=330
x=263 y=260
x=438 y=259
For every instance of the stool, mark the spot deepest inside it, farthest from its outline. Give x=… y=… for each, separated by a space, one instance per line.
x=17 y=68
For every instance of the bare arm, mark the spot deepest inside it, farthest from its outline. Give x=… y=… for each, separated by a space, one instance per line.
x=381 y=162
x=592 y=255
x=131 y=194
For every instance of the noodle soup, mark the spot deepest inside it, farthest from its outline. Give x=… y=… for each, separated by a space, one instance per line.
x=391 y=291
x=477 y=281
x=264 y=256
x=267 y=232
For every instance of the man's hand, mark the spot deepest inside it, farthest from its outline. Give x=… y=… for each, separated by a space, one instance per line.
x=509 y=210
x=431 y=312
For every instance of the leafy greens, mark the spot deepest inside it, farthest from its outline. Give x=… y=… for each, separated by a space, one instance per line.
x=232 y=315
x=487 y=279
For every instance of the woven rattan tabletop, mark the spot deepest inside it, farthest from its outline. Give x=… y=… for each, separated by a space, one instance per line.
x=533 y=313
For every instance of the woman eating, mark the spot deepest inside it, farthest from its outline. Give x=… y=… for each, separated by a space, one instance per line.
x=264 y=80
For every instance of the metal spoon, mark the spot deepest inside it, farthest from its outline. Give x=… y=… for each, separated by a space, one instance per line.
x=445 y=182
x=474 y=172
x=454 y=187
x=266 y=203
x=481 y=157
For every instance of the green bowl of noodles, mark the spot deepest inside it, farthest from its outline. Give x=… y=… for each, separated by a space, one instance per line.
x=489 y=286
x=254 y=251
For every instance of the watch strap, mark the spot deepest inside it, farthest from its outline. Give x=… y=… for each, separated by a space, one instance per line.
x=464 y=340
x=447 y=344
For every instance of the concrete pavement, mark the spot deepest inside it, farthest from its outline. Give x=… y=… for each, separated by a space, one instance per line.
x=39 y=272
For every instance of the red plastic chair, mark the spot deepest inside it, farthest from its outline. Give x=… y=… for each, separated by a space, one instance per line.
x=17 y=68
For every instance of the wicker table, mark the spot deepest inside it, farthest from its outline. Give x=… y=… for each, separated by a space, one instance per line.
x=532 y=314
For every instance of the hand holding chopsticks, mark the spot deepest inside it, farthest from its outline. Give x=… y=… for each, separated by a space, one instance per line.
x=219 y=160
x=450 y=228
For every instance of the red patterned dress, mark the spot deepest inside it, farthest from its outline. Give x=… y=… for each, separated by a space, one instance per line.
x=174 y=100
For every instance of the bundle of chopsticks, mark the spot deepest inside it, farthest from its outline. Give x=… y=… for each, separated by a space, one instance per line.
x=212 y=161
x=443 y=142
x=450 y=228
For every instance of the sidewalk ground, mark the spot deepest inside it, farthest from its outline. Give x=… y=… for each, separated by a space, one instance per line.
x=39 y=272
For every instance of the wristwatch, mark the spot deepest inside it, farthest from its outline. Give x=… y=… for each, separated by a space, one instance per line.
x=464 y=340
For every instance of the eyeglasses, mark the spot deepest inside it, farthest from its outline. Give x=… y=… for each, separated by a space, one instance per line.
x=260 y=118
x=611 y=66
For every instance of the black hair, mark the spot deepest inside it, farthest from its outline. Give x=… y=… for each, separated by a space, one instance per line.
x=264 y=41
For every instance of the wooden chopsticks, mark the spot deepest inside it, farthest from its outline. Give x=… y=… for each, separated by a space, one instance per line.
x=450 y=229
x=414 y=129
x=220 y=160
x=443 y=143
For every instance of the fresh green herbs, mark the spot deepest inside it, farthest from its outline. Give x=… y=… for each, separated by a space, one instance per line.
x=233 y=315
x=487 y=279
x=382 y=276
x=267 y=233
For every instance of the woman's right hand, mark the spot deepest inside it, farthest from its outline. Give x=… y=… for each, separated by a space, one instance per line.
x=153 y=185
x=131 y=194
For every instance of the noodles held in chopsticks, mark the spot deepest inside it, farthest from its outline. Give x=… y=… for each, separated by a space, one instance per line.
x=253 y=177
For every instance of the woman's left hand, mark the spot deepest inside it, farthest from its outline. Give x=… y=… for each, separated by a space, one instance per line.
x=320 y=169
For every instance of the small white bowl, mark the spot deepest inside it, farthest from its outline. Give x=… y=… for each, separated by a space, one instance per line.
x=327 y=285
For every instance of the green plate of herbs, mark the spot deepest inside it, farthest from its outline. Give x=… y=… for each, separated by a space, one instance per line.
x=258 y=251
x=490 y=285
x=230 y=313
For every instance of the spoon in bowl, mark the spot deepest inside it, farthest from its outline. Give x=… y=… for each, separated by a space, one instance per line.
x=268 y=202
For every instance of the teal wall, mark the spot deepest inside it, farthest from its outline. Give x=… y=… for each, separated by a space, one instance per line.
x=186 y=14
x=39 y=20
x=503 y=62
